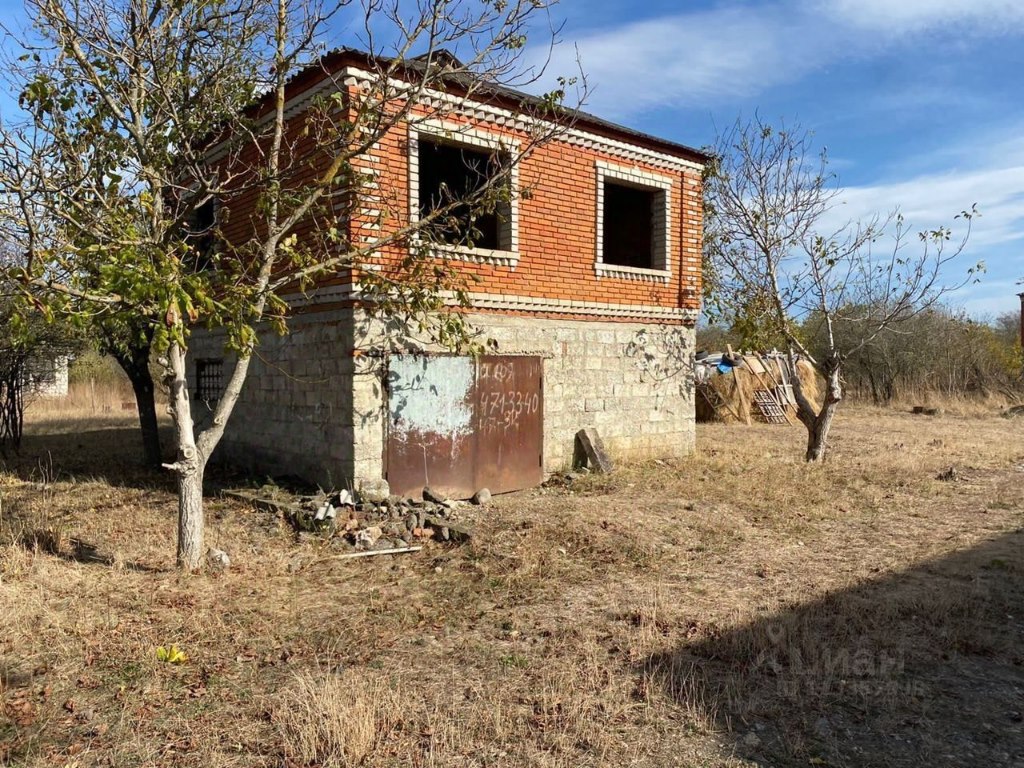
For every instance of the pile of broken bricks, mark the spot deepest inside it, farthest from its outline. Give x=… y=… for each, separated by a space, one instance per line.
x=372 y=520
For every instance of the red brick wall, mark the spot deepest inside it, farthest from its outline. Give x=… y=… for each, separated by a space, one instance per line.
x=557 y=229
x=558 y=225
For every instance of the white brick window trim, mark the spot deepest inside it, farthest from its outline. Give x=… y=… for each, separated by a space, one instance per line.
x=468 y=136
x=661 y=240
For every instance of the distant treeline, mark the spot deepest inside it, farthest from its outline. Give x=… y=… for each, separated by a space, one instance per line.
x=938 y=351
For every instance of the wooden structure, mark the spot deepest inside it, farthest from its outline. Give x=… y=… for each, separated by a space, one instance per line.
x=750 y=386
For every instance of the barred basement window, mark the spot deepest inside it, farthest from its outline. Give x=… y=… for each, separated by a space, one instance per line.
x=209 y=380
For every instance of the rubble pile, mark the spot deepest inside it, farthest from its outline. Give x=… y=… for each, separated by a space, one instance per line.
x=377 y=522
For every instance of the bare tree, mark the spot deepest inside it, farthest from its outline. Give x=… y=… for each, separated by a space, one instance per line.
x=768 y=196
x=31 y=350
x=939 y=351
x=142 y=116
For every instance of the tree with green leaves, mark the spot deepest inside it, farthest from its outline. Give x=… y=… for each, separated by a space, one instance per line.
x=143 y=114
x=768 y=195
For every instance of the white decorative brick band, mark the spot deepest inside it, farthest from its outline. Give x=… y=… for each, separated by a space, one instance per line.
x=632 y=273
x=635 y=176
x=478 y=111
x=517 y=120
x=506 y=302
x=574 y=307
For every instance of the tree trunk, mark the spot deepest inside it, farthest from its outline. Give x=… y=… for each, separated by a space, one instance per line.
x=145 y=400
x=876 y=394
x=134 y=361
x=189 y=465
x=190 y=520
x=817 y=433
x=819 y=422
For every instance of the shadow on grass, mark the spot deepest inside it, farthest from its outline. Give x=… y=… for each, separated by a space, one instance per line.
x=89 y=554
x=111 y=450
x=922 y=668
x=69 y=449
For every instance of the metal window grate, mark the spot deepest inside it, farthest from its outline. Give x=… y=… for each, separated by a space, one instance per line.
x=209 y=380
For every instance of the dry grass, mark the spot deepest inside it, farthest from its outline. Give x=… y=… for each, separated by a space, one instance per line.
x=335 y=720
x=88 y=405
x=84 y=399
x=977 y=406
x=733 y=607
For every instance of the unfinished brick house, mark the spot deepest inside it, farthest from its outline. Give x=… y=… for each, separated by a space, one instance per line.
x=589 y=285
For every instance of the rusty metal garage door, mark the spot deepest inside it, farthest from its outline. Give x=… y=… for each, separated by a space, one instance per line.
x=459 y=424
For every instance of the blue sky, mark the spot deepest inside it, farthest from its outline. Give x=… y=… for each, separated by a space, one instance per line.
x=919 y=102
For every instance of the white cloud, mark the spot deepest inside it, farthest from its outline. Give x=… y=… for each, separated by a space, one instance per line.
x=987 y=299
x=986 y=169
x=994 y=179
x=738 y=50
x=705 y=56
x=898 y=17
x=932 y=200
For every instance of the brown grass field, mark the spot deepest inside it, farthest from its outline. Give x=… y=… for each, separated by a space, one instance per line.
x=736 y=608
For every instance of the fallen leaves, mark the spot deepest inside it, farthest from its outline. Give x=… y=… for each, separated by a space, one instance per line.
x=171 y=655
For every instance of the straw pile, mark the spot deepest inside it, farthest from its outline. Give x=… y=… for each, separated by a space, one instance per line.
x=809 y=382
x=729 y=397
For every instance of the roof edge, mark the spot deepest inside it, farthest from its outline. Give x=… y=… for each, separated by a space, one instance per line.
x=495 y=94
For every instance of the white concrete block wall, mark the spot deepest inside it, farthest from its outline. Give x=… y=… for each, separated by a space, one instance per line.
x=48 y=376
x=314 y=409
x=295 y=415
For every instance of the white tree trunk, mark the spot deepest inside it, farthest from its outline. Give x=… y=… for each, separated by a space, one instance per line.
x=190 y=520
x=818 y=423
x=817 y=433
x=189 y=465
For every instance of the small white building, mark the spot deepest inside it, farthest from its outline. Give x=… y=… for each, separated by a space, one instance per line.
x=47 y=376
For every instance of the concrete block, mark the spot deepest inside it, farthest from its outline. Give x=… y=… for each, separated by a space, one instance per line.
x=590 y=451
